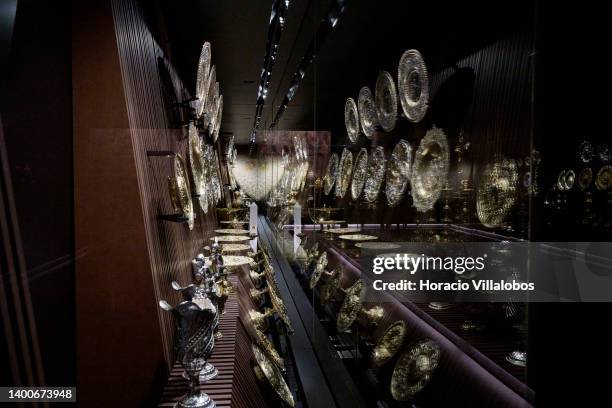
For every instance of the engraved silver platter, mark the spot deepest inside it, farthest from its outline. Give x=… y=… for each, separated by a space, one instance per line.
x=377 y=245
x=269 y=371
x=389 y=343
x=414 y=369
x=331 y=174
x=217 y=128
x=345 y=171
x=367 y=111
x=398 y=172
x=208 y=107
x=180 y=191
x=196 y=162
x=413 y=84
x=202 y=78
x=351 y=119
x=430 y=169
x=586 y=151
x=359 y=173
x=351 y=305
x=374 y=174
x=603 y=181
x=604 y=153
x=386 y=101
x=497 y=192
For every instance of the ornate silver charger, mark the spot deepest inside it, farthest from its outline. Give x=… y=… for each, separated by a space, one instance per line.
x=180 y=191
x=413 y=84
x=331 y=174
x=358 y=237
x=430 y=169
x=386 y=101
x=351 y=120
x=374 y=174
x=585 y=178
x=266 y=370
x=359 y=174
x=230 y=238
x=398 y=172
x=196 y=163
x=414 y=369
x=586 y=151
x=389 y=343
x=603 y=181
x=345 y=171
x=497 y=192
x=231 y=231
x=202 y=78
x=367 y=111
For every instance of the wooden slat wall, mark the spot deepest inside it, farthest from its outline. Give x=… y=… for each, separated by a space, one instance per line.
x=171 y=246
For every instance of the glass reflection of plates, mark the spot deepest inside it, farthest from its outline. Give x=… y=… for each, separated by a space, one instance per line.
x=382 y=246
x=331 y=174
x=345 y=171
x=358 y=237
x=231 y=231
x=359 y=174
x=430 y=169
x=497 y=192
x=367 y=111
x=230 y=238
x=386 y=101
x=351 y=120
x=603 y=181
x=398 y=173
x=374 y=175
x=413 y=84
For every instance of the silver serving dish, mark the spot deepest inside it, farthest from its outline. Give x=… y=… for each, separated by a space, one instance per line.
x=331 y=173
x=497 y=192
x=180 y=191
x=367 y=111
x=208 y=107
x=414 y=369
x=377 y=246
x=267 y=371
x=430 y=169
x=351 y=119
x=386 y=101
x=389 y=343
x=413 y=84
x=359 y=173
x=561 y=180
x=345 y=171
x=196 y=162
x=398 y=172
x=570 y=178
x=217 y=128
x=202 y=78
x=374 y=174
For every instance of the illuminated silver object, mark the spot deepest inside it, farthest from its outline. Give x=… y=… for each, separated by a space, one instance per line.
x=359 y=174
x=374 y=174
x=202 y=78
x=430 y=169
x=351 y=119
x=331 y=174
x=345 y=171
x=413 y=84
x=386 y=101
x=398 y=172
x=367 y=111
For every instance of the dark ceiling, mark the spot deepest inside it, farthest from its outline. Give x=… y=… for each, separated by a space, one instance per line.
x=370 y=36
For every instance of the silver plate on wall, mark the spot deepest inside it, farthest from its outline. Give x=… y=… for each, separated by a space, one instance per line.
x=413 y=85
x=386 y=101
